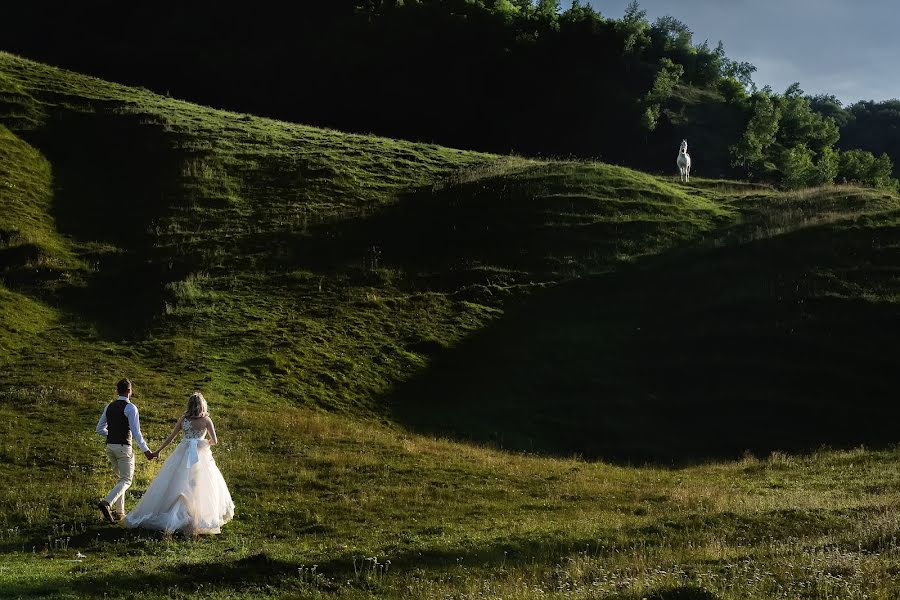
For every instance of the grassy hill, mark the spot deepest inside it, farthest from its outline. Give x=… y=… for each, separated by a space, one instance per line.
x=436 y=372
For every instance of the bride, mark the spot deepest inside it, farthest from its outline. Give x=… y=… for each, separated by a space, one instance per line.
x=189 y=493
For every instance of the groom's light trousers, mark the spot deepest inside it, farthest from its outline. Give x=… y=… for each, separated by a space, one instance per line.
x=121 y=457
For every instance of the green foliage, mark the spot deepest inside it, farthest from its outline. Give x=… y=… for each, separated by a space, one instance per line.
x=732 y=90
x=548 y=9
x=795 y=135
x=752 y=151
x=881 y=173
x=507 y=7
x=675 y=35
x=864 y=126
x=740 y=71
x=650 y=117
x=859 y=166
x=801 y=125
x=871 y=126
x=705 y=66
x=666 y=79
x=798 y=169
x=634 y=29
x=827 y=167
x=829 y=106
x=634 y=12
x=856 y=165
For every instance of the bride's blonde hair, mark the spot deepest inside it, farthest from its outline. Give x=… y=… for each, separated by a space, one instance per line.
x=196 y=406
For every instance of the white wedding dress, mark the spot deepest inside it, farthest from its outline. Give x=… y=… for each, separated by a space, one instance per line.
x=189 y=494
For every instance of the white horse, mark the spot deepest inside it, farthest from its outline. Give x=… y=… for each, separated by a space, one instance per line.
x=684 y=162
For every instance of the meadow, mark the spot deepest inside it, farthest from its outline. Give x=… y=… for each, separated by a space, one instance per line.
x=436 y=373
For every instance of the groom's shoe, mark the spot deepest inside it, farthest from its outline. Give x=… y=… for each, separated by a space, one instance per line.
x=103 y=505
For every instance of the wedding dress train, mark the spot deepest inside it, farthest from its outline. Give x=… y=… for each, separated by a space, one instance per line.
x=189 y=494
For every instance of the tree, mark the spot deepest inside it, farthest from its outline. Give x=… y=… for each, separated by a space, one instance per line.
x=828 y=105
x=860 y=166
x=873 y=126
x=855 y=166
x=507 y=8
x=880 y=174
x=666 y=78
x=800 y=124
x=548 y=9
x=582 y=13
x=634 y=12
x=676 y=35
x=634 y=28
x=706 y=66
x=751 y=151
x=826 y=168
x=732 y=90
x=739 y=70
x=798 y=169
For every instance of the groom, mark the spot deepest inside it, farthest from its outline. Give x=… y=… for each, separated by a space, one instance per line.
x=118 y=423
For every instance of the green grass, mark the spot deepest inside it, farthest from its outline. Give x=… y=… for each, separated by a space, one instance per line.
x=508 y=377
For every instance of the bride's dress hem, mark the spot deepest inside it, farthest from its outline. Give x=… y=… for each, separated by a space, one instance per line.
x=188 y=495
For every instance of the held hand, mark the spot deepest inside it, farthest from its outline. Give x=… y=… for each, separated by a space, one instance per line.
x=150 y=455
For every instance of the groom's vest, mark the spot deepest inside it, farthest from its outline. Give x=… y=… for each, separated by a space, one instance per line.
x=118 y=431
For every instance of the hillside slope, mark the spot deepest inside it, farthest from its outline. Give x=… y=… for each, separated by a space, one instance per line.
x=556 y=308
x=343 y=258
x=278 y=262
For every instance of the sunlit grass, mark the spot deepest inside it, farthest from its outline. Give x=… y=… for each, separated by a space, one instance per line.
x=315 y=489
x=326 y=291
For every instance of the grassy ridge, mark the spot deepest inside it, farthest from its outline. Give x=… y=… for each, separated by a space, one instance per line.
x=27 y=235
x=423 y=295
x=349 y=259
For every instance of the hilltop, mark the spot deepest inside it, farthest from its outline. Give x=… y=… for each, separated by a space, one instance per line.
x=527 y=76
x=376 y=314
x=352 y=257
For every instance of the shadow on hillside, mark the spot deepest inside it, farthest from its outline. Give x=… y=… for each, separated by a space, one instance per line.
x=260 y=569
x=509 y=228
x=114 y=174
x=699 y=355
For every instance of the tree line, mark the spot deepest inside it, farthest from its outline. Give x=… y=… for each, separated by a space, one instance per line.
x=524 y=76
x=793 y=139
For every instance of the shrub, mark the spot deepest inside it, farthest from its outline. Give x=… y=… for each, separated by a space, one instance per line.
x=798 y=170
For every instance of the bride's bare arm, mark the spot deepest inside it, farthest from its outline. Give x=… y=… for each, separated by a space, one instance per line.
x=213 y=440
x=172 y=435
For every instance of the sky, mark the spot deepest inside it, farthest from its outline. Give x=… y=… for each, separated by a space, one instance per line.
x=848 y=48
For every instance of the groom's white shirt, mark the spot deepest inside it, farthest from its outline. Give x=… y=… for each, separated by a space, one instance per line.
x=134 y=423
